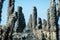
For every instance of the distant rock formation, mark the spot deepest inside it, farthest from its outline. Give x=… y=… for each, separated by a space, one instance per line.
x=40 y=29
x=39 y=25
x=21 y=24
x=10 y=25
x=29 y=25
x=58 y=8
x=53 y=20
x=12 y=17
x=10 y=8
x=34 y=17
x=44 y=24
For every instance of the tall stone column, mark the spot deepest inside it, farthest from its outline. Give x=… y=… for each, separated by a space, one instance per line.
x=53 y=20
x=20 y=21
x=10 y=25
x=34 y=20
x=58 y=8
x=1 y=5
x=39 y=25
x=48 y=19
x=58 y=18
x=48 y=23
x=34 y=17
x=44 y=24
x=29 y=25
x=10 y=7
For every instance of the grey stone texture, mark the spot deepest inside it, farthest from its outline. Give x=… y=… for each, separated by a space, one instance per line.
x=58 y=8
x=21 y=24
x=44 y=24
x=10 y=8
x=48 y=19
x=10 y=25
x=58 y=31
x=48 y=23
x=53 y=15
x=29 y=25
x=34 y=17
x=15 y=28
x=53 y=19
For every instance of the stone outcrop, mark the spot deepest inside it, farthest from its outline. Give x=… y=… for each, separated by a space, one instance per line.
x=48 y=19
x=29 y=25
x=12 y=17
x=53 y=20
x=10 y=25
x=58 y=19
x=10 y=8
x=16 y=28
x=48 y=23
x=58 y=8
x=53 y=15
x=20 y=21
x=34 y=17
x=39 y=25
x=44 y=24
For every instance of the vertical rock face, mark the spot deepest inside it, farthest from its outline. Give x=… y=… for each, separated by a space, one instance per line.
x=10 y=25
x=13 y=20
x=58 y=8
x=48 y=19
x=53 y=19
x=30 y=23
x=48 y=23
x=53 y=15
x=12 y=17
x=43 y=36
x=39 y=25
x=1 y=5
x=58 y=19
x=34 y=17
x=10 y=7
x=44 y=24
x=20 y=21
x=16 y=20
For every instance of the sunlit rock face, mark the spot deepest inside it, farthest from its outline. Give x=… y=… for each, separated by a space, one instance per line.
x=48 y=20
x=44 y=24
x=29 y=25
x=58 y=8
x=10 y=8
x=53 y=14
x=34 y=17
x=41 y=29
x=53 y=19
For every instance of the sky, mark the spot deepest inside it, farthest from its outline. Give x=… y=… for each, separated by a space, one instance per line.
x=27 y=5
